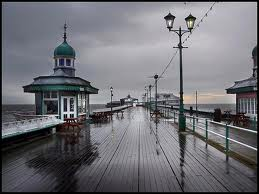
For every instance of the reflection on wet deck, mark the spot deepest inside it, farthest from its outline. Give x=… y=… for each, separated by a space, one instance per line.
x=127 y=154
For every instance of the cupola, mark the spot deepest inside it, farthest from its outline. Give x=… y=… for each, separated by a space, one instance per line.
x=64 y=57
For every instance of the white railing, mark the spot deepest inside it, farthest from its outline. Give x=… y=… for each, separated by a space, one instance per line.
x=24 y=126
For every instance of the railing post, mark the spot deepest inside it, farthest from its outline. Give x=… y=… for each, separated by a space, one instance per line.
x=206 y=123
x=227 y=141
x=193 y=124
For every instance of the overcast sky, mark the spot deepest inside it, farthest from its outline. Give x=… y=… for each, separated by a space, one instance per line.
x=122 y=44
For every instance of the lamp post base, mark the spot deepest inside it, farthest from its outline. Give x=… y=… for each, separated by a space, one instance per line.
x=181 y=123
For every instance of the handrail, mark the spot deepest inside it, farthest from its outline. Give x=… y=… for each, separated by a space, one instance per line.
x=227 y=131
x=221 y=124
x=243 y=144
x=232 y=126
x=243 y=129
x=230 y=138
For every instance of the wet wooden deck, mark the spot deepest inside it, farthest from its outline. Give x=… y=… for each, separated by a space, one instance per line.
x=128 y=154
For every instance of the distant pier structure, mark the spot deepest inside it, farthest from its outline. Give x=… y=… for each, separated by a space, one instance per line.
x=128 y=100
x=62 y=93
x=167 y=99
x=246 y=91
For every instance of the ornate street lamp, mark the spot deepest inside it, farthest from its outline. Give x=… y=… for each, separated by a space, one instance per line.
x=190 y=23
x=156 y=77
x=145 y=96
x=111 y=99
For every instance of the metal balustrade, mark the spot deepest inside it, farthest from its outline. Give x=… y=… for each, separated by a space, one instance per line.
x=28 y=125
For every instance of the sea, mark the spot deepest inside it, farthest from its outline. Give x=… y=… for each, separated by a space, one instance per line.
x=9 y=109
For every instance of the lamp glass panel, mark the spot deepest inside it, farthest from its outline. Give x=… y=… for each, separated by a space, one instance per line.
x=169 y=23
x=190 y=24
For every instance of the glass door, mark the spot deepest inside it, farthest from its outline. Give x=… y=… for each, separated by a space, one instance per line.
x=68 y=108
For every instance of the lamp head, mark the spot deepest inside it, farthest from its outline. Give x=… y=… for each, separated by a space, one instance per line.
x=190 y=22
x=169 y=19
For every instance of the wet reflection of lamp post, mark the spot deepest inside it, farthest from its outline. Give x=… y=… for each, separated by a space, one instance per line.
x=182 y=145
x=111 y=99
x=190 y=23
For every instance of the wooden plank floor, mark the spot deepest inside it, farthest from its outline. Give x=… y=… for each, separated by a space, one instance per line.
x=129 y=154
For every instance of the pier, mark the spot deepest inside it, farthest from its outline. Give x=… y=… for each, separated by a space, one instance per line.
x=133 y=153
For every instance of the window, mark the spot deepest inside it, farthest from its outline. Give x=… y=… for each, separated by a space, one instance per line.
x=54 y=95
x=56 y=62
x=61 y=62
x=68 y=62
x=71 y=104
x=50 y=107
x=46 y=94
x=255 y=105
x=51 y=95
x=50 y=102
x=248 y=105
x=240 y=105
x=82 y=103
x=245 y=102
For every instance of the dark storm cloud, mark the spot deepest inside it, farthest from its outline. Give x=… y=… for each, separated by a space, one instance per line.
x=123 y=43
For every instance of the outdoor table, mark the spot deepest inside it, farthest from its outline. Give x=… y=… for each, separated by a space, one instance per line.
x=228 y=116
x=73 y=122
x=240 y=118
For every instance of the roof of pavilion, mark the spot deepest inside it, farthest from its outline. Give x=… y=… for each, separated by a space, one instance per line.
x=246 y=85
x=60 y=81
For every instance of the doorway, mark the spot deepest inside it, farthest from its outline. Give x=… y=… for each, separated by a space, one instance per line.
x=68 y=108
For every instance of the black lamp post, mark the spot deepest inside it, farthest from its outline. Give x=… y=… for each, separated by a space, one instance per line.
x=150 y=96
x=190 y=23
x=156 y=76
x=111 y=98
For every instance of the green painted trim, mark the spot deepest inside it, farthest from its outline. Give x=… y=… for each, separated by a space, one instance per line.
x=36 y=88
x=241 y=90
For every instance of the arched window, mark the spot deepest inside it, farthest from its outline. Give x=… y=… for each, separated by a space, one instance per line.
x=68 y=62
x=61 y=62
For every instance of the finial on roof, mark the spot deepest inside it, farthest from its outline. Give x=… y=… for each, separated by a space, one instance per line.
x=65 y=33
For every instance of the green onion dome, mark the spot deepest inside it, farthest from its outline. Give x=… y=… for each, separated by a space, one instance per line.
x=254 y=52
x=64 y=50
